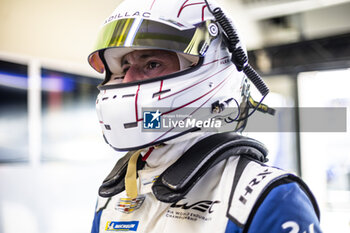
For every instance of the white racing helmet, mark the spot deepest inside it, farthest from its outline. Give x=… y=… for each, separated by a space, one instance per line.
x=206 y=83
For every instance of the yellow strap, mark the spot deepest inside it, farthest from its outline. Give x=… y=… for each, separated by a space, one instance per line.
x=130 y=177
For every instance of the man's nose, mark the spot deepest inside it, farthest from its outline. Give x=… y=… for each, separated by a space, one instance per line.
x=132 y=74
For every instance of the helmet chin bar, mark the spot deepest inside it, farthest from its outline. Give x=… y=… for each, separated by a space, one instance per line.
x=160 y=142
x=194 y=88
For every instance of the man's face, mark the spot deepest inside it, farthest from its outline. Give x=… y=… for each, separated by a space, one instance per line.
x=145 y=64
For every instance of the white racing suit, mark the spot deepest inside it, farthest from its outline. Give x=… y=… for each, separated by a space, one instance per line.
x=213 y=204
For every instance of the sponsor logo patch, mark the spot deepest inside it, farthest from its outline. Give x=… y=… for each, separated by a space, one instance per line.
x=122 y=226
x=128 y=205
x=199 y=211
x=202 y=206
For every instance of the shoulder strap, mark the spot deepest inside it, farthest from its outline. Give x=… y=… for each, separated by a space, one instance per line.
x=176 y=181
x=114 y=182
x=252 y=183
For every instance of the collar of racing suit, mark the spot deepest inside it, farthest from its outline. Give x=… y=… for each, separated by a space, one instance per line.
x=163 y=157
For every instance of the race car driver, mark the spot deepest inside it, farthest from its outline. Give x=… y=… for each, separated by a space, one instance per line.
x=184 y=59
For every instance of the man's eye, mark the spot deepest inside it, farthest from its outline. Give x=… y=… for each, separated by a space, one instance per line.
x=125 y=69
x=153 y=65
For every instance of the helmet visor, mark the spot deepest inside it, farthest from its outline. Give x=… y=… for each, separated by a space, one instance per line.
x=142 y=33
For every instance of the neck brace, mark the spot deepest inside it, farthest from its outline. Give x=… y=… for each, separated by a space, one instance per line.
x=178 y=179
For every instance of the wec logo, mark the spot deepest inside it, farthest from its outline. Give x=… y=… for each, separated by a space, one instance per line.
x=201 y=206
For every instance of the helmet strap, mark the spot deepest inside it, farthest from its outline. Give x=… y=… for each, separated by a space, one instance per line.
x=130 y=177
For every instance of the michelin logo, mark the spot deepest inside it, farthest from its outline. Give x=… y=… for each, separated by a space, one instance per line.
x=151 y=120
x=122 y=226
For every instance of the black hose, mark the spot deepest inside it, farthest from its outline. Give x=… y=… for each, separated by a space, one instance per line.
x=239 y=57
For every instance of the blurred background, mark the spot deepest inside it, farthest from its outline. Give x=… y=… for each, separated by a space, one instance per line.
x=52 y=154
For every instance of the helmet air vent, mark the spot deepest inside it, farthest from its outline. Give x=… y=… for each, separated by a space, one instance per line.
x=160 y=92
x=128 y=95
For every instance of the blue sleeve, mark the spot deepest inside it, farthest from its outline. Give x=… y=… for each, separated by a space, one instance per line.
x=232 y=228
x=96 y=222
x=286 y=209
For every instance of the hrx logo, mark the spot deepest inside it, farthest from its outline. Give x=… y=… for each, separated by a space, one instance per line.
x=152 y=120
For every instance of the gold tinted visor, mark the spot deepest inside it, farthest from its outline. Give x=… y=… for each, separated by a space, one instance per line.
x=142 y=33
